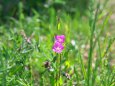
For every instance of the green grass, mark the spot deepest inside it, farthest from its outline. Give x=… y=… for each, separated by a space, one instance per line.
x=85 y=61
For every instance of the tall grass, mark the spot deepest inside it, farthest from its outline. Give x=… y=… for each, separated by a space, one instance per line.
x=27 y=59
x=92 y=22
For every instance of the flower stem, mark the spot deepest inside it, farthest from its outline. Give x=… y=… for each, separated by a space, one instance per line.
x=59 y=68
x=57 y=72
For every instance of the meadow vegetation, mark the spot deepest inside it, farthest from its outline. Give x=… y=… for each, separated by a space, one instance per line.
x=83 y=56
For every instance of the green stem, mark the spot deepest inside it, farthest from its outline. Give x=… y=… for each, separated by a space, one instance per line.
x=98 y=61
x=56 y=72
x=59 y=69
x=31 y=78
x=90 y=61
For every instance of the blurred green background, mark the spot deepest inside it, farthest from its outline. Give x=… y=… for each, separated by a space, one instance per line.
x=10 y=8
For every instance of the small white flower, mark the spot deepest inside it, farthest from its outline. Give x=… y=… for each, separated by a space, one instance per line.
x=73 y=42
x=51 y=69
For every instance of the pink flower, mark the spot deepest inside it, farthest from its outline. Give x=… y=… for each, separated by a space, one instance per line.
x=60 y=38
x=57 y=47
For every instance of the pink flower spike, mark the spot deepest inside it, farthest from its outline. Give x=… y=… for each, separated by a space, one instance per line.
x=58 y=47
x=60 y=38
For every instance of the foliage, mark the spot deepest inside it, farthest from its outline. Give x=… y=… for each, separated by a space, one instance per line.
x=9 y=9
x=27 y=58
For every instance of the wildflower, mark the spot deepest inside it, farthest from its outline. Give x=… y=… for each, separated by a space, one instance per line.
x=60 y=38
x=57 y=47
x=28 y=39
x=73 y=42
